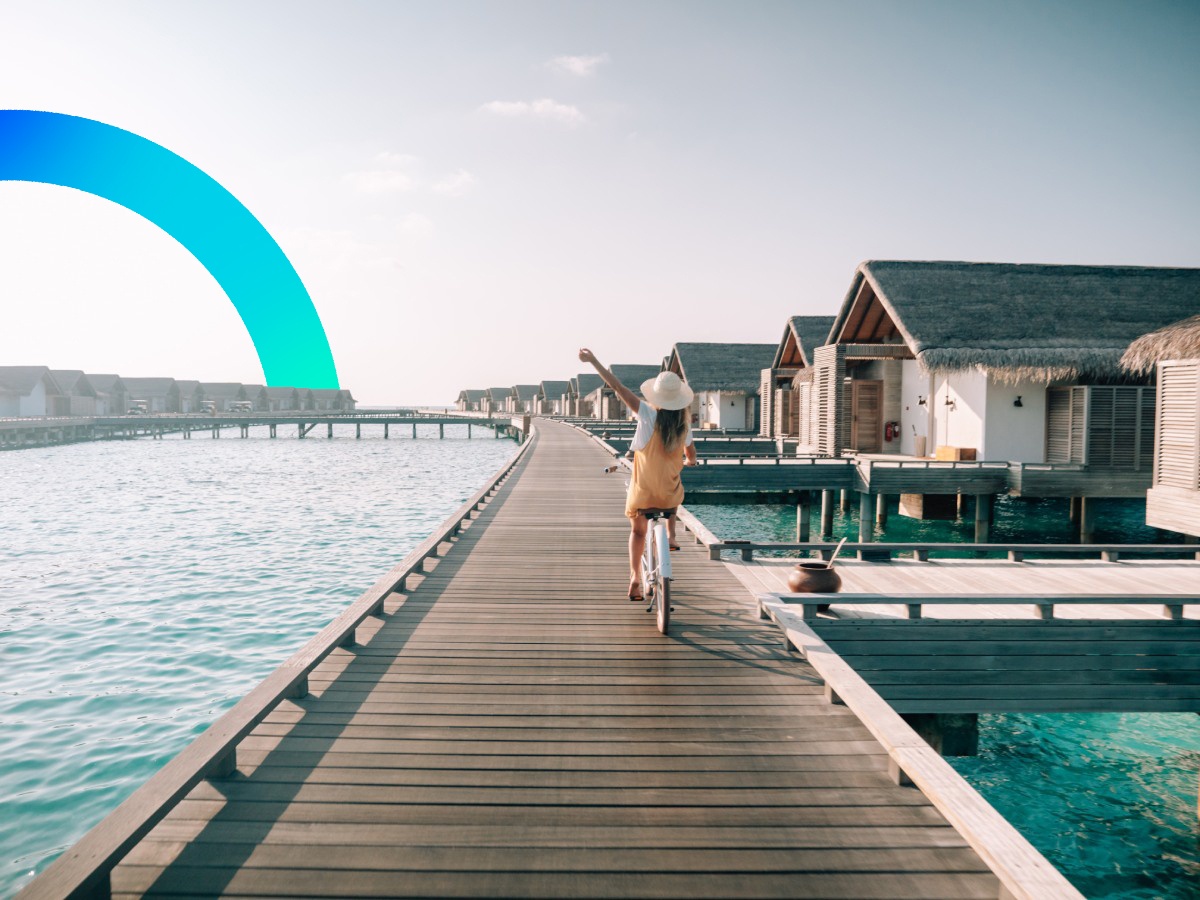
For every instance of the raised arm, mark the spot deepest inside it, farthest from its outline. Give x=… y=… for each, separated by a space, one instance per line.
x=628 y=397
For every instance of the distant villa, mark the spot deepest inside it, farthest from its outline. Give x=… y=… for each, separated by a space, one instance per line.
x=30 y=391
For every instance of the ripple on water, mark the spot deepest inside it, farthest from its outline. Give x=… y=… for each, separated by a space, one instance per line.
x=145 y=586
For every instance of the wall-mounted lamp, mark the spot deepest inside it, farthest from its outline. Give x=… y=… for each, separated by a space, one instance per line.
x=920 y=401
x=950 y=402
x=1018 y=402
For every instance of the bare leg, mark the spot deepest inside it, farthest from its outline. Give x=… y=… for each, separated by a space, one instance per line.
x=637 y=545
x=671 y=531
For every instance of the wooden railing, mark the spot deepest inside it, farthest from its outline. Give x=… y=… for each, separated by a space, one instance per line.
x=923 y=551
x=1172 y=605
x=83 y=870
x=1023 y=872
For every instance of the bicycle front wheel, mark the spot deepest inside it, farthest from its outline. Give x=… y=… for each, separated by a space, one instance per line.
x=663 y=596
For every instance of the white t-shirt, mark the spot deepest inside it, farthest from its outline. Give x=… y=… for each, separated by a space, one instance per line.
x=646 y=415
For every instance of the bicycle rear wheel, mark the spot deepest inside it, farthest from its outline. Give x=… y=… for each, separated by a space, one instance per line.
x=662 y=584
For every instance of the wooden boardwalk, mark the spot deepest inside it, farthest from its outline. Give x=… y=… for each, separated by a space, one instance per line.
x=513 y=726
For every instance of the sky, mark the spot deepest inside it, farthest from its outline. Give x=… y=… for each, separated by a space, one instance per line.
x=472 y=191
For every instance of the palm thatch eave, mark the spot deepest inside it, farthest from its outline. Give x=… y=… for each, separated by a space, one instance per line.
x=1179 y=340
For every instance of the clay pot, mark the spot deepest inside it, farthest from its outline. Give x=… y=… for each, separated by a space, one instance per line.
x=814 y=578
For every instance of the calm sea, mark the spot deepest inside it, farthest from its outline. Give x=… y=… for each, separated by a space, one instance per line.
x=1110 y=799
x=145 y=586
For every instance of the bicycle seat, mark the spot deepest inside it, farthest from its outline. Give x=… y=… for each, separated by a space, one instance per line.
x=656 y=513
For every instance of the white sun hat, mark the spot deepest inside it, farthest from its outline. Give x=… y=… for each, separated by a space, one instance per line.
x=667 y=391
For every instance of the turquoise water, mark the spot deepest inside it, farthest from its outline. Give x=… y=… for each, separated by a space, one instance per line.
x=145 y=586
x=1015 y=520
x=1110 y=799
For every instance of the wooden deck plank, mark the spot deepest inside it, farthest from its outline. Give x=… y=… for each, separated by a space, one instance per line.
x=512 y=725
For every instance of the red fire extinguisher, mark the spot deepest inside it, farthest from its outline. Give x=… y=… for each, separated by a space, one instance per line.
x=890 y=430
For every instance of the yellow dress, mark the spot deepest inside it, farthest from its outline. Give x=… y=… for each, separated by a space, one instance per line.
x=655 y=483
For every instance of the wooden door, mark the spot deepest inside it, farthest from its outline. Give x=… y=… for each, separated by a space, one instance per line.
x=866 y=416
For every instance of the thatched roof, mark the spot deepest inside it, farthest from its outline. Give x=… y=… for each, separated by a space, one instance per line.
x=227 y=390
x=141 y=388
x=584 y=383
x=1179 y=340
x=1018 y=321
x=552 y=390
x=472 y=396
x=632 y=375
x=186 y=387
x=73 y=381
x=280 y=393
x=722 y=367
x=107 y=383
x=801 y=336
x=498 y=395
x=23 y=379
x=523 y=392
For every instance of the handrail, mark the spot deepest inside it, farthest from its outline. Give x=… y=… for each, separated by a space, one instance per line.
x=83 y=870
x=921 y=550
x=1023 y=872
x=1172 y=604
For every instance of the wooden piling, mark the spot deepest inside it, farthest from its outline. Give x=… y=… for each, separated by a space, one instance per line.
x=803 y=517
x=866 y=512
x=357 y=430
x=983 y=517
x=1087 y=524
x=827 y=502
x=881 y=509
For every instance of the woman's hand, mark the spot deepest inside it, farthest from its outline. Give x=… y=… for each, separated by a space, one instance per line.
x=587 y=356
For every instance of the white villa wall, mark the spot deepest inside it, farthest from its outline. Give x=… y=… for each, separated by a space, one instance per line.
x=34 y=403
x=959 y=424
x=915 y=419
x=723 y=409
x=1013 y=433
x=10 y=405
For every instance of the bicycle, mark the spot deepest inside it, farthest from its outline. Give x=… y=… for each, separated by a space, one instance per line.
x=656 y=564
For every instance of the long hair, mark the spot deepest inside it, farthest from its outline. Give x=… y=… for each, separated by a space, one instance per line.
x=671 y=425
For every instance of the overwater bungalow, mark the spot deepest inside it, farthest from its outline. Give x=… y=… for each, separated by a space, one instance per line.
x=256 y=395
x=579 y=388
x=281 y=399
x=76 y=395
x=111 y=394
x=496 y=400
x=332 y=400
x=190 y=395
x=160 y=395
x=603 y=401
x=521 y=399
x=222 y=393
x=470 y=400
x=780 y=412
x=1173 y=501
x=995 y=361
x=27 y=390
x=553 y=397
x=726 y=380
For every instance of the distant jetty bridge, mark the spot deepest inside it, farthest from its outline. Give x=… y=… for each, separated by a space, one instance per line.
x=493 y=718
x=19 y=433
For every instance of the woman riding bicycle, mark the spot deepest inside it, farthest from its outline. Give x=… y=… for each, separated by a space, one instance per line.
x=661 y=444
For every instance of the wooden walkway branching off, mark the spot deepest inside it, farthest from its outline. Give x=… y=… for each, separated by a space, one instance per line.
x=513 y=726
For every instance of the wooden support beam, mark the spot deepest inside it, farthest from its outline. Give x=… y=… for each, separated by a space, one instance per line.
x=329 y=430
x=357 y=430
x=827 y=502
x=866 y=524
x=1087 y=523
x=950 y=734
x=386 y=425
x=803 y=517
x=983 y=517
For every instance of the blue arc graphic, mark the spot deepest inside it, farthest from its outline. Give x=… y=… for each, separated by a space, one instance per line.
x=195 y=210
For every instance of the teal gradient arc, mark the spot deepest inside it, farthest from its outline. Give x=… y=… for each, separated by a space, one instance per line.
x=194 y=209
